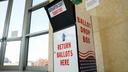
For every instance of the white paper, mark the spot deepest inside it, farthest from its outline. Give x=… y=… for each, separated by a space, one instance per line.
x=67 y=35
x=90 y=4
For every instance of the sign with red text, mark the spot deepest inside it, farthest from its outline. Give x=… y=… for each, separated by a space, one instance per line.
x=57 y=9
x=65 y=50
x=87 y=60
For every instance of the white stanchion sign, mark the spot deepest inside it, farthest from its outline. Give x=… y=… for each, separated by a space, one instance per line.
x=87 y=58
x=65 y=50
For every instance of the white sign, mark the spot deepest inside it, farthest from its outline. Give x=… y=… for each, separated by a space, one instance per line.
x=57 y=9
x=65 y=50
x=85 y=38
x=90 y=4
x=87 y=60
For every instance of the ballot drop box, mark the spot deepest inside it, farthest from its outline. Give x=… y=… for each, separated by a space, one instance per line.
x=73 y=48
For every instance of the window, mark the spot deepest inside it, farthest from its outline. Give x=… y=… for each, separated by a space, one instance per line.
x=39 y=21
x=38 y=39
x=38 y=51
x=30 y=47
x=16 y=20
x=35 y=2
x=12 y=53
x=38 y=45
x=3 y=9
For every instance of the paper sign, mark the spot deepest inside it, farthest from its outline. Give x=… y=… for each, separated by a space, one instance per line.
x=90 y=4
x=57 y=9
x=65 y=50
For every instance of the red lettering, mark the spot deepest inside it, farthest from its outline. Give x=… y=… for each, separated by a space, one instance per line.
x=62 y=54
x=84 y=30
x=64 y=46
x=83 y=22
x=64 y=62
x=86 y=39
x=78 y=19
x=57 y=11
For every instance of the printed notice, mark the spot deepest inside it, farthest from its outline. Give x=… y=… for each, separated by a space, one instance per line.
x=57 y=9
x=90 y=4
x=65 y=50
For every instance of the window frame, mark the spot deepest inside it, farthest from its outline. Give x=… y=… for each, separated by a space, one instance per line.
x=5 y=16
x=29 y=35
x=24 y=37
x=5 y=33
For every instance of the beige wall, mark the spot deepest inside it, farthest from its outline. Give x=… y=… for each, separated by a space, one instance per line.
x=110 y=22
x=112 y=18
x=97 y=41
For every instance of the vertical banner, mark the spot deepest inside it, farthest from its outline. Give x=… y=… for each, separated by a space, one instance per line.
x=65 y=50
x=87 y=60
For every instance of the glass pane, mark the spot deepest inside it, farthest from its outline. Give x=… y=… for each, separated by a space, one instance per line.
x=12 y=53
x=39 y=21
x=0 y=45
x=35 y=2
x=3 y=9
x=16 y=21
x=38 y=51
